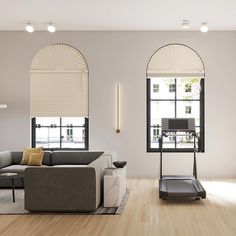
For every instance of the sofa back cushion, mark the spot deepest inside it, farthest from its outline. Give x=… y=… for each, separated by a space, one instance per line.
x=74 y=157
x=17 y=157
x=5 y=159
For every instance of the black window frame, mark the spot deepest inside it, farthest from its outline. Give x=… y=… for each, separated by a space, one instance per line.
x=201 y=146
x=86 y=135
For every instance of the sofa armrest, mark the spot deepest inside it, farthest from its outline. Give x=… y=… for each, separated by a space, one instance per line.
x=60 y=189
x=5 y=159
x=104 y=161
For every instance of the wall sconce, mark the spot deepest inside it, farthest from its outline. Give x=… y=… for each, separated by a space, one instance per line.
x=118 y=108
x=3 y=106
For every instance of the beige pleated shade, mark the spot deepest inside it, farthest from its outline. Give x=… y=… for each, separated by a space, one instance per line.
x=175 y=60
x=59 y=83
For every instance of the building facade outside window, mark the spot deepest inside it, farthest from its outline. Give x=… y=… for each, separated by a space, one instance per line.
x=188 y=109
x=171 y=88
x=155 y=88
x=155 y=134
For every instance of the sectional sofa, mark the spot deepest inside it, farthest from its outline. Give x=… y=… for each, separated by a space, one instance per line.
x=67 y=181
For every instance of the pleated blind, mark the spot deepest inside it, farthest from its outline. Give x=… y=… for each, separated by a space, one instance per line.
x=175 y=60
x=59 y=83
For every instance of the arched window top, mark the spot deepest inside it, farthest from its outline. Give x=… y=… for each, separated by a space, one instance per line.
x=59 y=83
x=175 y=60
x=59 y=57
x=175 y=89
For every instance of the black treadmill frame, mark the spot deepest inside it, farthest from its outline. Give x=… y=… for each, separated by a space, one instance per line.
x=163 y=193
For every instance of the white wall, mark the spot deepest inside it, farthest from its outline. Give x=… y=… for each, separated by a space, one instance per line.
x=122 y=57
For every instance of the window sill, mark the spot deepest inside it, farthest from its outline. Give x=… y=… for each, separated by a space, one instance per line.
x=179 y=150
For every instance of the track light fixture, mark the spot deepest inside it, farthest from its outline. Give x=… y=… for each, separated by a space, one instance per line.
x=51 y=28
x=204 y=28
x=29 y=28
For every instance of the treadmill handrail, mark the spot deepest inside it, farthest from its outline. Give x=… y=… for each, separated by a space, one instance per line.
x=163 y=134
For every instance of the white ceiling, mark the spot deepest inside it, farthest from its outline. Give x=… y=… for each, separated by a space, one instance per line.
x=117 y=14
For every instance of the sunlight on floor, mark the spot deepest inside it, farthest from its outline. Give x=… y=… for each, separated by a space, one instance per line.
x=221 y=190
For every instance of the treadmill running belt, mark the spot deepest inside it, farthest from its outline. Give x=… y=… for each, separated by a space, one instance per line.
x=183 y=188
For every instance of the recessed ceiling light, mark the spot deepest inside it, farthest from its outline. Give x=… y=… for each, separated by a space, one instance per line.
x=204 y=28
x=185 y=24
x=29 y=28
x=3 y=106
x=51 y=28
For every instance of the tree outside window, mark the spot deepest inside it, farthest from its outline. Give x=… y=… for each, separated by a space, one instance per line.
x=188 y=88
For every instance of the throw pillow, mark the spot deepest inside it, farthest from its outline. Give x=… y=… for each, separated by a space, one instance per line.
x=35 y=159
x=27 y=152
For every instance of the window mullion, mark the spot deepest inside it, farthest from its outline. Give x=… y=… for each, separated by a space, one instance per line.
x=60 y=132
x=175 y=107
x=202 y=115
x=148 y=113
x=33 y=127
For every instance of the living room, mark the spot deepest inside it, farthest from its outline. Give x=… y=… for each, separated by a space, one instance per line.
x=134 y=56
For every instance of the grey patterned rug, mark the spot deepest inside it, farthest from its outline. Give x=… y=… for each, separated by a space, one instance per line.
x=8 y=207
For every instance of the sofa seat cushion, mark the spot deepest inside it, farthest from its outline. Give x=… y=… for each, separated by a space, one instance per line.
x=15 y=169
x=70 y=166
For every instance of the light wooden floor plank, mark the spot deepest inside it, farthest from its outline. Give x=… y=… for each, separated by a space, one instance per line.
x=144 y=215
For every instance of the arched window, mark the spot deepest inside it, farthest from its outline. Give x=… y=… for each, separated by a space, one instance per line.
x=59 y=98
x=175 y=89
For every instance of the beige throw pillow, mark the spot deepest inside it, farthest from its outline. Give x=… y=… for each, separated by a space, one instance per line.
x=27 y=152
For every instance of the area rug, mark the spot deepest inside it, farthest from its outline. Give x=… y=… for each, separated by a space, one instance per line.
x=8 y=207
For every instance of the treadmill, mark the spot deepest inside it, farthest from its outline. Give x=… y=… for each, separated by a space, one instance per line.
x=178 y=186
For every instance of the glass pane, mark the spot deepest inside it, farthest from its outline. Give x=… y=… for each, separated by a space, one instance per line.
x=161 y=109
x=48 y=137
x=73 y=137
x=155 y=132
x=154 y=145
x=48 y=121
x=162 y=88
x=187 y=141
x=188 y=88
x=198 y=131
x=169 y=142
x=189 y=109
x=73 y=121
x=184 y=141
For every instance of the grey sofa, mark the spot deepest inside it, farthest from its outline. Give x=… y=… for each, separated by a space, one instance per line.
x=69 y=180
x=10 y=162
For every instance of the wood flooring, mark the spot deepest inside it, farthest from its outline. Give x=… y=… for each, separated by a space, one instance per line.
x=144 y=215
